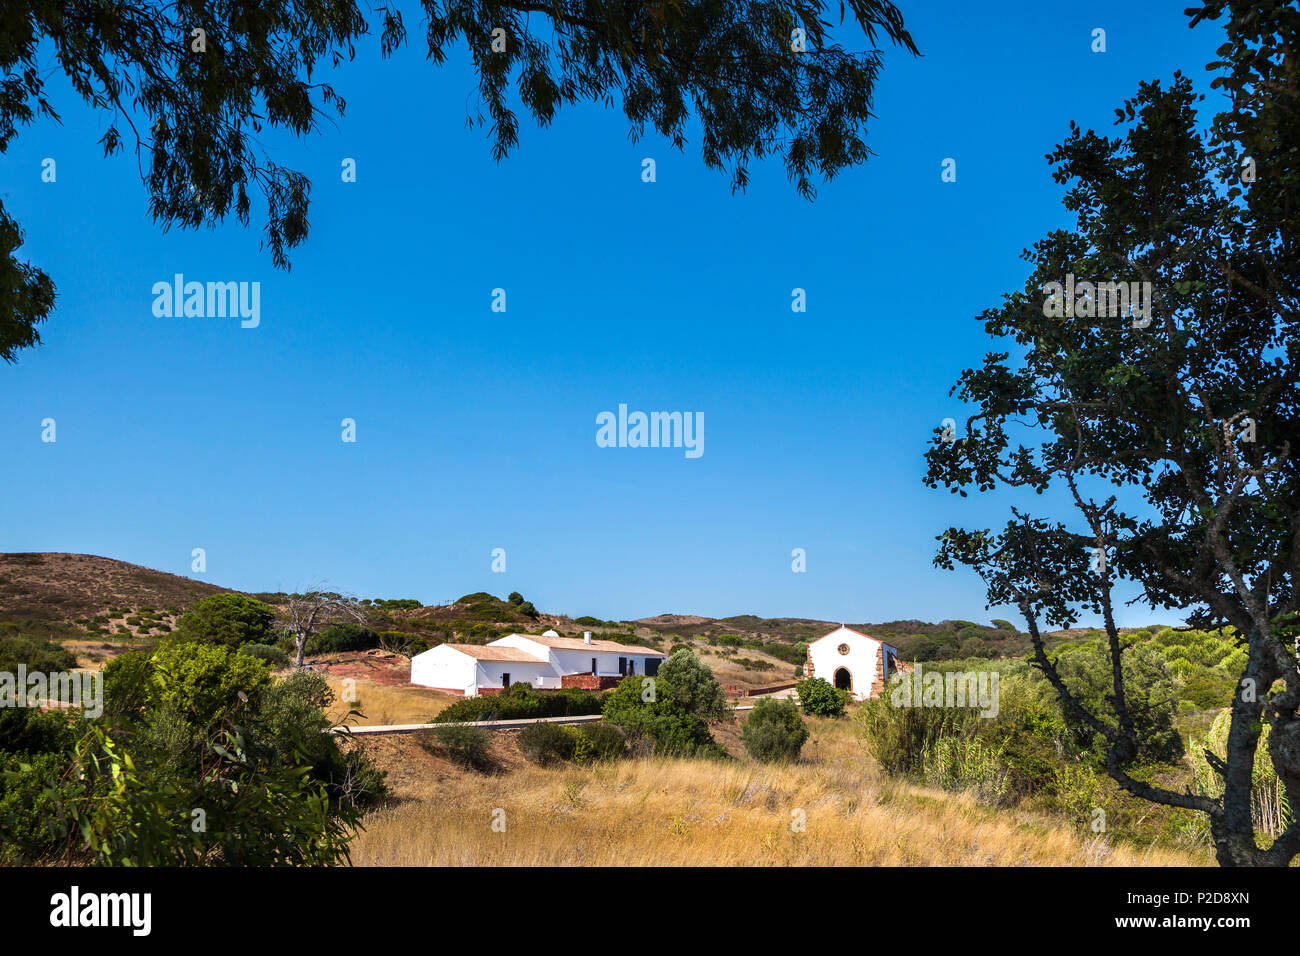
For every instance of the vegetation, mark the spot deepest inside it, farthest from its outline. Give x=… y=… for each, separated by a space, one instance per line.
x=693 y=686
x=774 y=732
x=522 y=701
x=467 y=746
x=347 y=636
x=38 y=654
x=1029 y=756
x=670 y=811
x=275 y=658
x=547 y=743
x=1171 y=428
x=820 y=698
x=655 y=721
x=231 y=620
x=199 y=758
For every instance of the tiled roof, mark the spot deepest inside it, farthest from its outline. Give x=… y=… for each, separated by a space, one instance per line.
x=578 y=644
x=490 y=652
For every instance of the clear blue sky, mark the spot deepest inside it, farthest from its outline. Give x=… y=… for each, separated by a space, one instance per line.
x=476 y=430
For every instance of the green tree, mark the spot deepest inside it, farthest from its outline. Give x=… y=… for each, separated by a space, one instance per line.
x=1172 y=430
x=774 y=732
x=193 y=109
x=228 y=619
x=648 y=712
x=693 y=686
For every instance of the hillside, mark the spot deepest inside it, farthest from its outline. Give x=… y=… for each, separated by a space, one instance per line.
x=73 y=596
x=63 y=589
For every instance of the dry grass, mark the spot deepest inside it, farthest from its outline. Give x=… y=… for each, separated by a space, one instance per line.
x=674 y=812
x=382 y=704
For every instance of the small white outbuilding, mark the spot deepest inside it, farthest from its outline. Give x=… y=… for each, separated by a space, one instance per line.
x=852 y=661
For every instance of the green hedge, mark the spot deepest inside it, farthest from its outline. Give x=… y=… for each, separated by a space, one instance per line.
x=521 y=701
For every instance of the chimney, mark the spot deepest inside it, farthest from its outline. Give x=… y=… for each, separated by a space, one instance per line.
x=586 y=637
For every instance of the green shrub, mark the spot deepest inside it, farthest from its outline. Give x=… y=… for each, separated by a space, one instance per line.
x=774 y=732
x=546 y=743
x=599 y=741
x=37 y=654
x=1150 y=686
x=340 y=638
x=648 y=712
x=206 y=682
x=820 y=698
x=193 y=725
x=231 y=620
x=467 y=746
x=521 y=702
x=267 y=652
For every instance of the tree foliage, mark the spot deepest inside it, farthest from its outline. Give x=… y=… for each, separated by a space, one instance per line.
x=232 y=620
x=693 y=686
x=1174 y=435
x=192 y=108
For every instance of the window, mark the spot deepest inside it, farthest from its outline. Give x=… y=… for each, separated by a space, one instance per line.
x=622 y=665
x=593 y=665
x=505 y=679
x=651 y=666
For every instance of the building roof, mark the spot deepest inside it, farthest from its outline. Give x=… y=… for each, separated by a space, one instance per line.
x=490 y=652
x=578 y=644
x=842 y=630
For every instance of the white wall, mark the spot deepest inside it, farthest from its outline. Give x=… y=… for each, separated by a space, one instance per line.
x=860 y=660
x=579 y=662
x=490 y=673
x=443 y=667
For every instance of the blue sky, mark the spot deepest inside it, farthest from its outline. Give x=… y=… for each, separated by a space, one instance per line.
x=476 y=429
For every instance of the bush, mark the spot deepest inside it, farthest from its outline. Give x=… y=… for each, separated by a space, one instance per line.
x=521 y=702
x=599 y=741
x=204 y=683
x=338 y=638
x=820 y=698
x=546 y=743
x=774 y=732
x=267 y=652
x=231 y=620
x=193 y=725
x=37 y=654
x=467 y=746
x=1150 y=686
x=648 y=712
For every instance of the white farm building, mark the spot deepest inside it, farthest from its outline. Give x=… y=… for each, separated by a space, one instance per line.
x=546 y=661
x=851 y=661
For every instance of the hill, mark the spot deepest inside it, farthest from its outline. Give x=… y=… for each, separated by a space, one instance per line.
x=50 y=591
x=86 y=596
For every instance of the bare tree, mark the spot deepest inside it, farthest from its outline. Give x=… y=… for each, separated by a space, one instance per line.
x=309 y=612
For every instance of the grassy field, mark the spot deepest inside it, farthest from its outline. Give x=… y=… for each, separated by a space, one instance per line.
x=672 y=812
x=381 y=704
